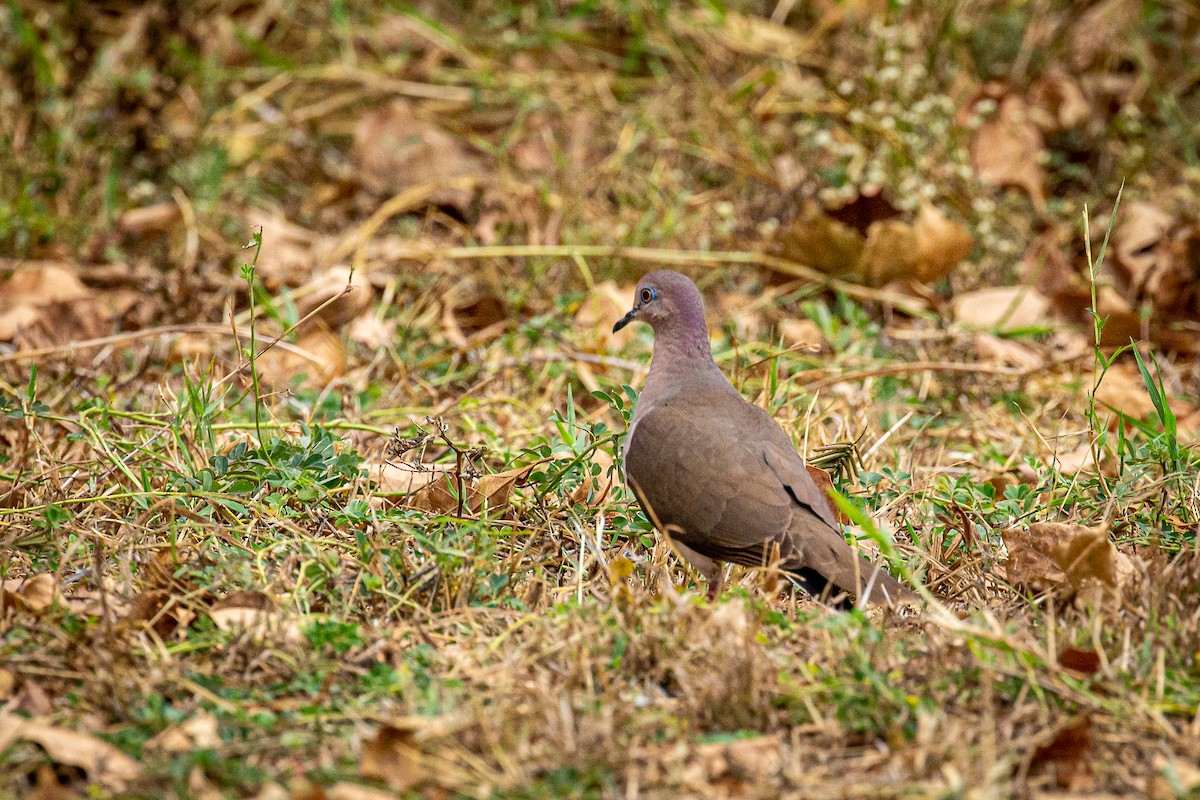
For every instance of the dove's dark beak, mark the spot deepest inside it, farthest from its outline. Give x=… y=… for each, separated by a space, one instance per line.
x=628 y=318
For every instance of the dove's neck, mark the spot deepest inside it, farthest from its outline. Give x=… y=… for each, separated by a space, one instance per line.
x=682 y=365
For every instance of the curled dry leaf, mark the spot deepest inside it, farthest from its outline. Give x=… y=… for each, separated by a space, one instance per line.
x=593 y=489
x=1083 y=459
x=1052 y=555
x=48 y=304
x=397 y=480
x=1085 y=662
x=1123 y=389
x=868 y=207
x=318 y=355
x=1067 y=750
x=393 y=757
x=1006 y=150
x=1157 y=263
x=153 y=219
x=395 y=150
x=491 y=492
x=353 y=791
x=867 y=242
x=472 y=315
x=261 y=624
x=889 y=254
x=103 y=763
x=158 y=609
x=941 y=244
x=331 y=284
x=1002 y=309
x=803 y=335
x=30 y=594
x=1174 y=778
x=820 y=241
x=1057 y=103
x=196 y=733
x=288 y=254
x=1007 y=352
x=1154 y=267
x=1102 y=32
x=1143 y=228
x=825 y=484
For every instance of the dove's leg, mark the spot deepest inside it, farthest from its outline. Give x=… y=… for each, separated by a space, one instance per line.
x=710 y=569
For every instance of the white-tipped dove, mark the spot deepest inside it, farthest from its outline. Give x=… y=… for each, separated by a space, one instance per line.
x=718 y=474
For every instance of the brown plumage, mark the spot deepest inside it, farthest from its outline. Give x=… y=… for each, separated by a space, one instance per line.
x=718 y=474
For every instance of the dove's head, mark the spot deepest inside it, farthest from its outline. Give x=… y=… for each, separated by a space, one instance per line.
x=670 y=303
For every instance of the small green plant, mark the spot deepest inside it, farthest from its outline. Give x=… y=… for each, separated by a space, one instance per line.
x=251 y=351
x=340 y=637
x=291 y=476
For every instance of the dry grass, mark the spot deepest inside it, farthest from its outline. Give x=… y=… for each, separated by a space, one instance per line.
x=288 y=595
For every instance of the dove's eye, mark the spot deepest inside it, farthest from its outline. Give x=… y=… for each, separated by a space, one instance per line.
x=648 y=294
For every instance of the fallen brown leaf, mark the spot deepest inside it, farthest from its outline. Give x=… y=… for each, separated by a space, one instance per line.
x=260 y=624
x=1007 y=352
x=1006 y=150
x=103 y=763
x=867 y=242
x=1067 y=751
x=288 y=255
x=941 y=244
x=395 y=150
x=867 y=208
x=1002 y=309
x=331 y=284
x=154 y=219
x=1085 y=662
x=492 y=492
x=1148 y=288
x=393 y=757
x=199 y=732
x=1083 y=459
x=35 y=594
x=1156 y=263
x=1123 y=389
x=1175 y=778
x=318 y=355
x=890 y=253
x=48 y=304
x=472 y=315
x=594 y=489
x=825 y=484
x=1057 y=102
x=821 y=242
x=1142 y=229
x=1053 y=555
x=157 y=609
